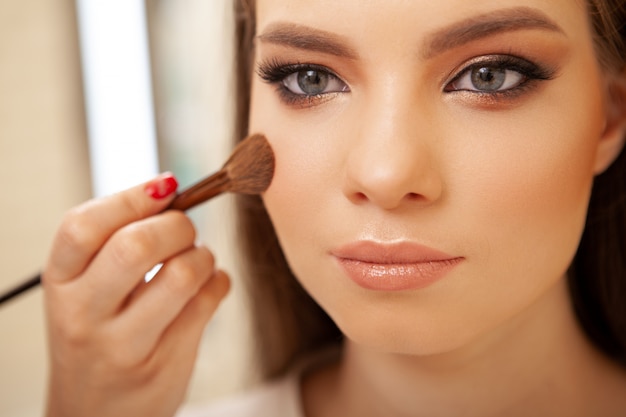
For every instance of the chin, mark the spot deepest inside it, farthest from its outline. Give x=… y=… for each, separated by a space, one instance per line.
x=414 y=338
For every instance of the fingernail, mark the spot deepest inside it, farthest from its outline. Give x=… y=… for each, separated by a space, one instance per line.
x=162 y=187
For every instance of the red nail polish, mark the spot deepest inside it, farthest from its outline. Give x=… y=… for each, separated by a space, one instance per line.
x=162 y=187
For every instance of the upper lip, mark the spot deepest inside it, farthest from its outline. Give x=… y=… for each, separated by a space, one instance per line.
x=390 y=253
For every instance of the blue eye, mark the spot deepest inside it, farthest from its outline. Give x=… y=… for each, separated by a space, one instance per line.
x=488 y=79
x=312 y=82
x=497 y=74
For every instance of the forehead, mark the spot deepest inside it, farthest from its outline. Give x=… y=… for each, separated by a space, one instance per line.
x=375 y=20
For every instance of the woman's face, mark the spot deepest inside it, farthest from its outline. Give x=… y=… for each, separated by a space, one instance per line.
x=434 y=158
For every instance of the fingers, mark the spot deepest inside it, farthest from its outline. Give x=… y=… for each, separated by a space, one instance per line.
x=189 y=324
x=86 y=228
x=108 y=369
x=154 y=343
x=158 y=303
x=131 y=252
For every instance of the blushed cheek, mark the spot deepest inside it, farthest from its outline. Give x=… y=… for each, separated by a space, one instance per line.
x=536 y=204
x=296 y=178
x=562 y=176
x=291 y=196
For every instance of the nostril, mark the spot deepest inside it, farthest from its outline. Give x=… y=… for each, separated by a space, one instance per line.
x=360 y=197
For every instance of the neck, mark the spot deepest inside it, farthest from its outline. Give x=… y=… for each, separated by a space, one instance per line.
x=539 y=363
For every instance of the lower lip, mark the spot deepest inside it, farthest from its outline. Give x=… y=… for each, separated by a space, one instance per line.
x=397 y=277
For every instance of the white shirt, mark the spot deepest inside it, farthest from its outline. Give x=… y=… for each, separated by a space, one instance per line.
x=280 y=398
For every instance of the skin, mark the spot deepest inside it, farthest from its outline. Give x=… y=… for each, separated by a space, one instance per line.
x=502 y=182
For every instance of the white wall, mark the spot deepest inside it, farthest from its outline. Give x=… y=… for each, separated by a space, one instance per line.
x=43 y=171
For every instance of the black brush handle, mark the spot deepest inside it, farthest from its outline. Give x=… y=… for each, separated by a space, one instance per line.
x=23 y=287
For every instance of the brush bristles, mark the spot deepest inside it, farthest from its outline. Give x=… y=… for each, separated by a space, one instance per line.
x=251 y=166
x=249 y=170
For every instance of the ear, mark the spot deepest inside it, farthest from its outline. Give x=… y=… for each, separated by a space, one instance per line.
x=613 y=137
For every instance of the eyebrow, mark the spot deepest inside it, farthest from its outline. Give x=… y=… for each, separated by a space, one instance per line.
x=308 y=38
x=458 y=34
x=485 y=25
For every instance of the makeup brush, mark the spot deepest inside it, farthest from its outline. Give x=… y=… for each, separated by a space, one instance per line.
x=249 y=170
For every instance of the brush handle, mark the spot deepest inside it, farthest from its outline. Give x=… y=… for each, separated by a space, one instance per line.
x=23 y=287
x=192 y=196
x=201 y=191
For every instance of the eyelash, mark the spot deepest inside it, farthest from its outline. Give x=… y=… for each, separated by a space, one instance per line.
x=275 y=72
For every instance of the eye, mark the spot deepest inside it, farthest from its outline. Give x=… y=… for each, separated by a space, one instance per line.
x=497 y=74
x=302 y=85
x=488 y=79
x=312 y=82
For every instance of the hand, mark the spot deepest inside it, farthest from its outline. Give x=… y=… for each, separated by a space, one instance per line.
x=120 y=346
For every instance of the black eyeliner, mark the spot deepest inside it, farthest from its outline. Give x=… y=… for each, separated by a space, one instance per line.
x=530 y=71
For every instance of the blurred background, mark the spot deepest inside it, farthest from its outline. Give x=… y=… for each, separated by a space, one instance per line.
x=49 y=160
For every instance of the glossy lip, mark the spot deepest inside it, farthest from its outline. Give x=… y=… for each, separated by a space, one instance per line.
x=393 y=266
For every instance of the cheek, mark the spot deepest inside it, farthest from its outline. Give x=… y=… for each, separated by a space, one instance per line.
x=303 y=171
x=292 y=202
x=539 y=178
x=527 y=190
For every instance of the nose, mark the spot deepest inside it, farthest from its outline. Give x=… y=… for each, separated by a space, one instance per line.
x=391 y=161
